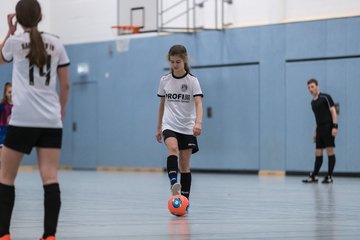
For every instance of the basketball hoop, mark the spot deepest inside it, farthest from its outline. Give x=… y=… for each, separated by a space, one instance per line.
x=122 y=36
x=122 y=30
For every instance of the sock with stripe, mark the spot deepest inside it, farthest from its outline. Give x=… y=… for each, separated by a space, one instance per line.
x=172 y=168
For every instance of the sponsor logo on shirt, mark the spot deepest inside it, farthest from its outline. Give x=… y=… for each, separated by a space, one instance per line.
x=177 y=97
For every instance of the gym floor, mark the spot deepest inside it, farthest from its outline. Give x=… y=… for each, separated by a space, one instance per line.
x=133 y=205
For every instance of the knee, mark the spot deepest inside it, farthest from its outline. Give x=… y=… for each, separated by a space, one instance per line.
x=184 y=169
x=173 y=150
x=318 y=152
x=330 y=151
x=184 y=166
x=48 y=177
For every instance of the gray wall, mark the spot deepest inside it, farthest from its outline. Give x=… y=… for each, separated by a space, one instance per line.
x=254 y=80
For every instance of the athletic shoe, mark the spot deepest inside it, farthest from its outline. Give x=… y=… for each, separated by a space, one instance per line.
x=175 y=189
x=48 y=238
x=327 y=179
x=5 y=237
x=310 y=179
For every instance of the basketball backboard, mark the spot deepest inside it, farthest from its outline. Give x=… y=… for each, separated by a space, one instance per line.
x=172 y=15
x=140 y=13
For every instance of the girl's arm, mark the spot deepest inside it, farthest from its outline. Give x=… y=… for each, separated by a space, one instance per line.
x=11 y=31
x=64 y=86
x=199 y=115
x=160 y=117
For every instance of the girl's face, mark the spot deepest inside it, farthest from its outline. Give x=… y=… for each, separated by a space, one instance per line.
x=8 y=93
x=177 y=63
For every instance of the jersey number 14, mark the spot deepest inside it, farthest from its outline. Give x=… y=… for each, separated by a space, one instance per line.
x=42 y=73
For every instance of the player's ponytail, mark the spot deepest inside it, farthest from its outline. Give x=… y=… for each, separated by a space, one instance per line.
x=180 y=50
x=37 y=54
x=28 y=14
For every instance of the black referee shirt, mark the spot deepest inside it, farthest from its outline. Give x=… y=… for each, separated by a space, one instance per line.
x=321 y=108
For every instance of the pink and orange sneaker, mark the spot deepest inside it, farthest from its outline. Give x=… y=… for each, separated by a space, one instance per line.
x=5 y=237
x=48 y=238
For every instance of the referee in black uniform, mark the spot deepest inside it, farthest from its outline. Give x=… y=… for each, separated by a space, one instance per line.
x=325 y=132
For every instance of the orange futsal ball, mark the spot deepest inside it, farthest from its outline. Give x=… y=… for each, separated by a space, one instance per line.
x=178 y=205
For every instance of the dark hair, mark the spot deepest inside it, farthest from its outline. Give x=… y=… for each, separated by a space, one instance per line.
x=28 y=14
x=180 y=50
x=313 y=80
x=4 y=99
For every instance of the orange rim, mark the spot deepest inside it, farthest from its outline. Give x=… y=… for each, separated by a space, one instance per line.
x=132 y=29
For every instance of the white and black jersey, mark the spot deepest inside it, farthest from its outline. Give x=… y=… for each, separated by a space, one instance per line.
x=35 y=99
x=179 y=94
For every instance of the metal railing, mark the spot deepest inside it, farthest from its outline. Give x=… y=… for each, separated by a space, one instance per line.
x=190 y=12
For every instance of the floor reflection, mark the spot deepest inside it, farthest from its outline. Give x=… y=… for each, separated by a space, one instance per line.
x=178 y=228
x=325 y=211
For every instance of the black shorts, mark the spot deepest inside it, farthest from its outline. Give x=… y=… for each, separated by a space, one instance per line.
x=23 y=139
x=324 y=138
x=184 y=141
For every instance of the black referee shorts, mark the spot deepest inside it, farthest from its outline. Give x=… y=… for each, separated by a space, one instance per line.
x=184 y=141
x=23 y=139
x=324 y=138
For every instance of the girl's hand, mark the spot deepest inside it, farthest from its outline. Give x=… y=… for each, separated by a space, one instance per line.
x=197 y=129
x=12 y=25
x=158 y=136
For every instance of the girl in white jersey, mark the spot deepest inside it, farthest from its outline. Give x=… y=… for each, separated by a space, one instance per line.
x=39 y=59
x=179 y=118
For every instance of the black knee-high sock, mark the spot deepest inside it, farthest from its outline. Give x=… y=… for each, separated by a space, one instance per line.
x=332 y=161
x=185 y=184
x=7 y=200
x=317 y=166
x=52 y=205
x=172 y=168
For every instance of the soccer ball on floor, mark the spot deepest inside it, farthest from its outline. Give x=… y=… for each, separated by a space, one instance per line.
x=178 y=205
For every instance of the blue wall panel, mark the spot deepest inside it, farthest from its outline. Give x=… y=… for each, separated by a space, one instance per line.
x=352 y=36
x=352 y=119
x=272 y=94
x=306 y=39
x=230 y=138
x=336 y=37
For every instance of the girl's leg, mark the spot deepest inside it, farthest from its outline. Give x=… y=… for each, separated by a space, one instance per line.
x=185 y=156
x=172 y=159
x=48 y=160
x=10 y=161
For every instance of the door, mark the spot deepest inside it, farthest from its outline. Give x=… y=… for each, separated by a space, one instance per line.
x=230 y=138
x=85 y=135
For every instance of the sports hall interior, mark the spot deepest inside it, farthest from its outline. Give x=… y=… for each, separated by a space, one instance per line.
x=253 y=59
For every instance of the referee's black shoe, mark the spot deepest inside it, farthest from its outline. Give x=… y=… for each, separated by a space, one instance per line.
x=327 y=179
x=310 y=179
